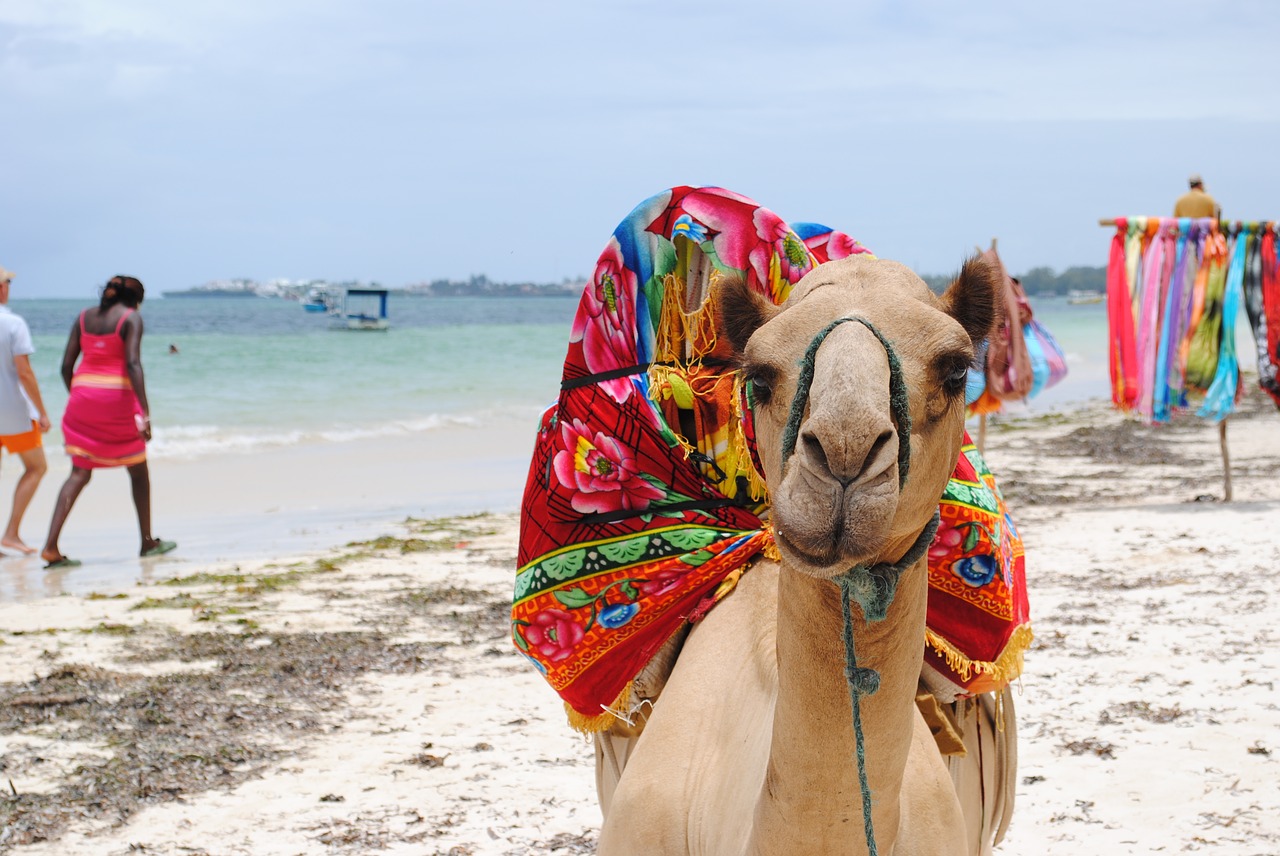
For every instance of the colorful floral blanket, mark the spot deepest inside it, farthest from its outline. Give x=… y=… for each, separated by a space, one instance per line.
x=643 y=504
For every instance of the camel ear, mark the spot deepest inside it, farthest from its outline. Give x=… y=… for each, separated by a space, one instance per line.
x=741 y=311
x=974 y=297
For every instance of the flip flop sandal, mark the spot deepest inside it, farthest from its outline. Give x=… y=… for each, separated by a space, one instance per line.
x=62 y=562
x=160 y=548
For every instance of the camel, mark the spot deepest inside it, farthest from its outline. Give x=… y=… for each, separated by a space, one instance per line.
x=750 y=748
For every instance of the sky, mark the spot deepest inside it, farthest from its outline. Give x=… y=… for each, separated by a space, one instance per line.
x=401 y=141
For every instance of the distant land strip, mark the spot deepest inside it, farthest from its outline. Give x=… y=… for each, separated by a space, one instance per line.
x=1037 y=281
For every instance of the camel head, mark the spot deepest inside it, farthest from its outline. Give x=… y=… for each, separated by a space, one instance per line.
x=836 y=501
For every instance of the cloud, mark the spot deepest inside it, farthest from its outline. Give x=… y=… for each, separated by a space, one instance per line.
x=402 y=139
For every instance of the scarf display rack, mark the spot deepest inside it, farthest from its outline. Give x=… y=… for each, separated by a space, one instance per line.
x=1020 y=358
x=1175 y=287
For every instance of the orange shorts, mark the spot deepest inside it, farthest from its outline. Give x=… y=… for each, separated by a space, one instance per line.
x=24 y=442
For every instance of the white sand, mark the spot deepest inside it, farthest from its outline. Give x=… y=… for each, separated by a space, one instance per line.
x=1149 y=716
x=278 y=502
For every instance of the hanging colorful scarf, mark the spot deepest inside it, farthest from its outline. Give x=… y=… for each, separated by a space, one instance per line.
x=1219 y=400
x=1135 y=245
x=1176 y=379
x=1165 y=396
x=1123 y=351
x=1269 y=369
x=1203 y=334
x=1008 y=365
x=1154 y=277
x=642 y=502
x=1254 y=305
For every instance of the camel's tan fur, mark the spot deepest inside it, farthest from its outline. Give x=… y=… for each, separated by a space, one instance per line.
x=750 y=749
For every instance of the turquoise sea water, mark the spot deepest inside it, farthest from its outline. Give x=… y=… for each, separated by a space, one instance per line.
x=255 y=373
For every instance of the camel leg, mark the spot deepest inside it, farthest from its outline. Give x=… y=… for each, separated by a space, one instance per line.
x=986 y=777
x=612 y=752
x=614 y=747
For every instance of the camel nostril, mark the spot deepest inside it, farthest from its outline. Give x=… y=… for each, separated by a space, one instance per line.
x=875 y=458
x=814 y=451
x=851 y=461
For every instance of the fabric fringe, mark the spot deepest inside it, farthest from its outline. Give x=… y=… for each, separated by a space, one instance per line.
x=584 y=724
x=756 y=487
x=684 y=337
x=770 y=550
x=669 y=382
x=681 y=341
x=1006 y=667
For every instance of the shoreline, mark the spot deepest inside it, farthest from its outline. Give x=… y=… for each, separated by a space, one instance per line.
x=278 y=502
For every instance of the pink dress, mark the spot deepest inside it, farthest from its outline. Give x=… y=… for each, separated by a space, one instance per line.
x=98 y=427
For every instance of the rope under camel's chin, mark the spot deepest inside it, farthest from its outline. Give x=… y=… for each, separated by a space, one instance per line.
x=872 y=586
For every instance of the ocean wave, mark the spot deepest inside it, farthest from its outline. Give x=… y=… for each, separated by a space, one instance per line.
x=194 y=441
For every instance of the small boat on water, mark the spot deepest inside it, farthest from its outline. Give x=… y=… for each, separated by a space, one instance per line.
x=1078 y=296
x=368 y=311
x=317 y=300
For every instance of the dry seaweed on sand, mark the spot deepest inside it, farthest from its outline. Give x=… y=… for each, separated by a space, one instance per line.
x=176 y=734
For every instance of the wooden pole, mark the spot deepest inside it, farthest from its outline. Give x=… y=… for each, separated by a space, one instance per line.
x=1226 y=461
x=982 y=433
x=1224 y=225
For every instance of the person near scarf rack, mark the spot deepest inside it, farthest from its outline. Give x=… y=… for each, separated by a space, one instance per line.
x=1196 y=202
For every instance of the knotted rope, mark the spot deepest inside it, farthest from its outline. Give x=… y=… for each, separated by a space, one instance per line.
x=872 y=586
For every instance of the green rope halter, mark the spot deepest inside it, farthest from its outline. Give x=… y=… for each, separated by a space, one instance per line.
x=872 y=587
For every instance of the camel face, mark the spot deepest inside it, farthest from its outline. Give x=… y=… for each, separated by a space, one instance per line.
x=836 y=501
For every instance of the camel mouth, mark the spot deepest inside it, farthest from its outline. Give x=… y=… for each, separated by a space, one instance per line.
x=804 y=560
x=852 y=532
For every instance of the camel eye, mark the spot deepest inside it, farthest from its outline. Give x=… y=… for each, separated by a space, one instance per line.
x=758 y=381
x=954 y=371
x=758 y=391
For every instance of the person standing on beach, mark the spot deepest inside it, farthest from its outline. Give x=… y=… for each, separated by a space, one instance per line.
x=1195 y=202
x=22 y=415
x=107 y=422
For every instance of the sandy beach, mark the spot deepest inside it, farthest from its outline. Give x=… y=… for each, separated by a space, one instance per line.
x=351 y=688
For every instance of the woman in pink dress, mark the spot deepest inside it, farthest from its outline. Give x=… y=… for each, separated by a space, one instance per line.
x=107 y=422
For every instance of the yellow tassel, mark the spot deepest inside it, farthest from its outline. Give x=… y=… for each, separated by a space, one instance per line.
x=584 y=724
x=770 y=549
x=670 y=382
x=759 y=491
x=685 y=337
x=1006 y=667
x=667 y=336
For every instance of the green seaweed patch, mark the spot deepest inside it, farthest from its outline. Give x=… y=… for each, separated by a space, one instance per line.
x=93 y=595
x=204 y=578
x=111 y=628
x=44 y=631
x=214 y=613
x=270 y=582
x=466 y=526
x=178 y=601
x=386 y=543
x=253 y=584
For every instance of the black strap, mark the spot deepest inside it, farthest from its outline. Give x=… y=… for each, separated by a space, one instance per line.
x=587 y=380
x=658 y=510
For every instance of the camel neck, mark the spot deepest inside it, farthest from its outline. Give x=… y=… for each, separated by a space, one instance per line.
x=812 y=762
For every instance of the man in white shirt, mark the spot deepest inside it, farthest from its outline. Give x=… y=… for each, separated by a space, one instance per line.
x=22 y=415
